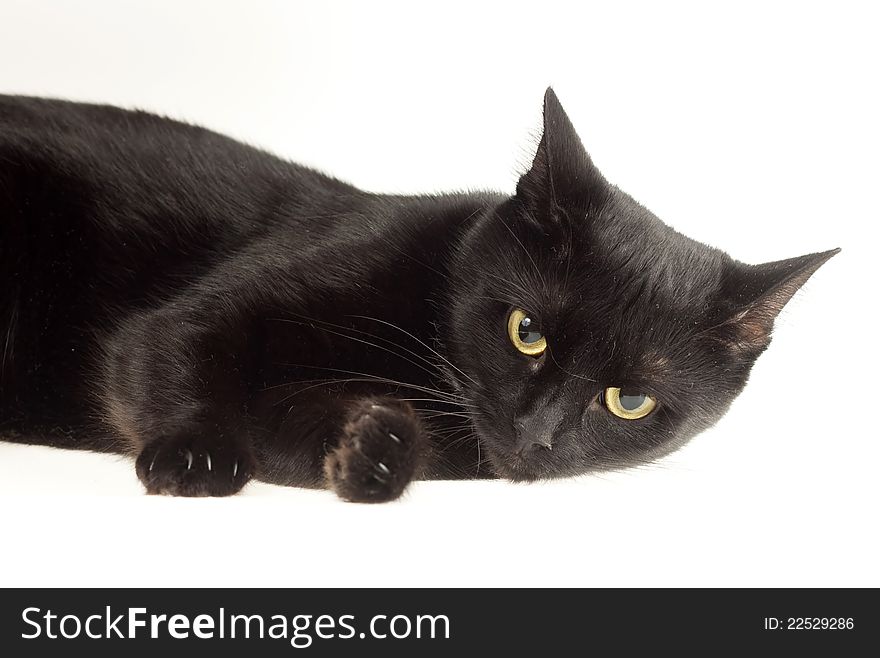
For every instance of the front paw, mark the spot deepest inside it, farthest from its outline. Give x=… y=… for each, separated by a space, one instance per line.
x=378 y=453
x=194 y=466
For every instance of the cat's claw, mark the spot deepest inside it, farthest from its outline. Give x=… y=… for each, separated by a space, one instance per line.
x=175 y=466
x=366 y=466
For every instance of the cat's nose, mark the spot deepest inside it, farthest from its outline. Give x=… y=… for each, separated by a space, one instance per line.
x=533 y=434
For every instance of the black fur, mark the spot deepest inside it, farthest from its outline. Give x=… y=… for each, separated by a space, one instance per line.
x=221 y=314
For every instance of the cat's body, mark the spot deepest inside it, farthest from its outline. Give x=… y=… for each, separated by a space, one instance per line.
x=221 y=314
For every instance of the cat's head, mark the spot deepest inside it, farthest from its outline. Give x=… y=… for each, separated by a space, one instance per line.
x=592 y=335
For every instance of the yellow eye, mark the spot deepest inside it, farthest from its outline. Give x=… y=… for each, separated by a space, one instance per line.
x=524 y=333
x=629 y=405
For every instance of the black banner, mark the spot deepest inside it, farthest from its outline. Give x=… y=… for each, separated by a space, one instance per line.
x=424 y=622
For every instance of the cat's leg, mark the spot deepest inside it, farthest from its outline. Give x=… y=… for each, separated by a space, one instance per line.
x=379 y=449
x=174 y=389
x=362 y=444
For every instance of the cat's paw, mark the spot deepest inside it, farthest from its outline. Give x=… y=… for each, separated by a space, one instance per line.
x=378 y=452
x=194 y=466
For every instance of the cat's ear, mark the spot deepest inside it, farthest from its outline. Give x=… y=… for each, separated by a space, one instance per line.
x=759 y=292
x=562 y=173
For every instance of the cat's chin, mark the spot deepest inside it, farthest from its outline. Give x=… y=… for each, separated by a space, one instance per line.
x=521 y=472
x=519 y=469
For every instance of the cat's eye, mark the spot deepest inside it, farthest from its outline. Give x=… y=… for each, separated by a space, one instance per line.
x=525 y=334
x=627 y=404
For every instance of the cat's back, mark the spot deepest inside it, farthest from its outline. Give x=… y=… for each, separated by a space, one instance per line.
x=141 y=155
x=132 y=197
x=68 y=131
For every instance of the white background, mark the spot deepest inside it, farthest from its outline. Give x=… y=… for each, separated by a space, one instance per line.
x=753 y=128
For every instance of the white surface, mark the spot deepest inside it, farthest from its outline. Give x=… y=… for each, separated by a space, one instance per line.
x=752 y=128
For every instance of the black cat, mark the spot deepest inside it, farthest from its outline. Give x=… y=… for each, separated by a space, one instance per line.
x=222 y=314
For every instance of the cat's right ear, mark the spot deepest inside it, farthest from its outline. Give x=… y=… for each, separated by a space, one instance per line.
x=562 y=174
x=758 y=293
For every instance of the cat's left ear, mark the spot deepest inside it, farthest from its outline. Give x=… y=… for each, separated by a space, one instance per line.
x=562 y=174
x=759 y=292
